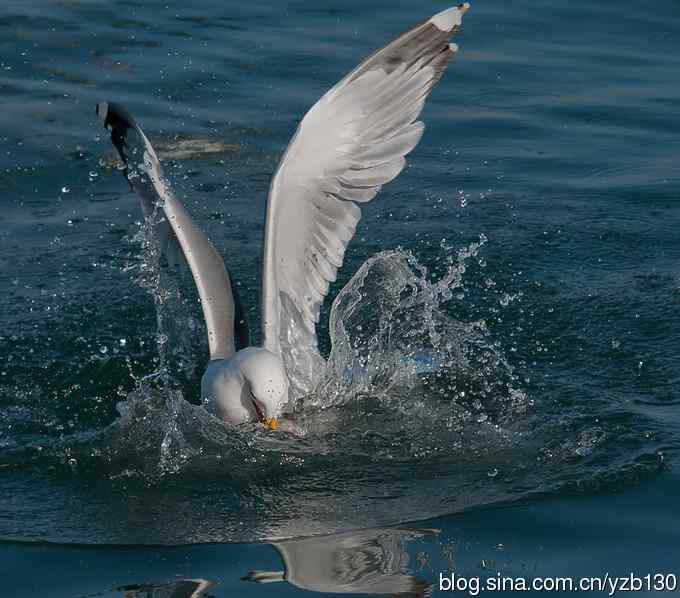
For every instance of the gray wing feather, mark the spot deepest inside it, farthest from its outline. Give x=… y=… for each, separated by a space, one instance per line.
x=349 y=144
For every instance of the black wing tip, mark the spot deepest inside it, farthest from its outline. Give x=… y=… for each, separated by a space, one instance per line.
x=118 y=121
x=114 y=116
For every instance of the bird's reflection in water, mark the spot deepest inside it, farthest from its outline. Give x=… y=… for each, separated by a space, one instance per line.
x=373 y=561
x=364 y=562
x=184 y=588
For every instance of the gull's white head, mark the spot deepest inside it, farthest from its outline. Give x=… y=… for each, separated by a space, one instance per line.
x=250 y=386
x=266 y=380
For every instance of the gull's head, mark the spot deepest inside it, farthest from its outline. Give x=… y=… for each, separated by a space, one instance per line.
x=267 y=384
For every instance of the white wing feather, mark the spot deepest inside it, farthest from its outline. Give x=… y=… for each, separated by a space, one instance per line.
x=350 y=143
x=206 y=264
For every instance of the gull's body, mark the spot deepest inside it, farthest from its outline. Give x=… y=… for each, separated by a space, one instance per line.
x=350 y=143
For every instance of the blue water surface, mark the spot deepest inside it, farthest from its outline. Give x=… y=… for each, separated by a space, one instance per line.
x=544 y=193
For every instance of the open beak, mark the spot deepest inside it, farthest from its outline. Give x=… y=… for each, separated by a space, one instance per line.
x=272 y=423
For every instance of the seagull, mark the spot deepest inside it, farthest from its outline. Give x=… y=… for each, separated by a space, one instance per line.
x=371 y=561
x=349 y=144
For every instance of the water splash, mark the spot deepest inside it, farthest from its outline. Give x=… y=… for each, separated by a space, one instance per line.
x=418 y=413
x=160 y=272
x=396 y=352
x=393 y=338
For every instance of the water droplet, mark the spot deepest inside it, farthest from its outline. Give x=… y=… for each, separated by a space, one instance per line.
x=493 y=473
x=65 y=190
x=103 y=349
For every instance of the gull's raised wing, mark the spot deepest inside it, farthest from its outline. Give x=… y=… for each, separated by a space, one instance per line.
x=145 y=175
x=352 y=141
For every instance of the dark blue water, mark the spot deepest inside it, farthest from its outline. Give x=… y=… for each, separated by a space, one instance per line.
x=539 y=215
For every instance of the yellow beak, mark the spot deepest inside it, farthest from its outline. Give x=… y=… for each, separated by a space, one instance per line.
x=272 y=423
